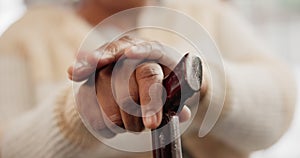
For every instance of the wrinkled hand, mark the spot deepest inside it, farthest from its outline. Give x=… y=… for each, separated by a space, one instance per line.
x=114 y=99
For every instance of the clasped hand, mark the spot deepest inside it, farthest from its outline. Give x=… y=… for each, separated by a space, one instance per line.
x=115 y=99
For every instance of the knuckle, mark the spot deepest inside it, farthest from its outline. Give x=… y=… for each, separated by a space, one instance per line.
x=156 y=44
x=149 y=71
x=112 y=47
x=116 y=46
x=127 y=38
x=147 y=46
x=131 y=40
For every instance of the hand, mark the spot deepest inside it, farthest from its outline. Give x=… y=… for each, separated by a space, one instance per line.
x=147 y=74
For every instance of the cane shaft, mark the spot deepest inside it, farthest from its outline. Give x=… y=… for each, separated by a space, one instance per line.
x=180 y=84
x=161 y=138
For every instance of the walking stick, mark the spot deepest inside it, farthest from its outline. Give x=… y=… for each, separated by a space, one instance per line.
x=180 y=85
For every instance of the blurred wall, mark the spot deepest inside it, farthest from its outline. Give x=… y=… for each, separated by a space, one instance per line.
x=10 y=10
x=278 y=21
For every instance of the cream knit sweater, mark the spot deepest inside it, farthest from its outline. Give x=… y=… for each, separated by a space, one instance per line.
x=37 y=113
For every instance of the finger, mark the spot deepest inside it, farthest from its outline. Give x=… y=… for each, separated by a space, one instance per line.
x=112 y=52
x=87 y=63
x=87 y=106
x=109 y=108
x=185 y=114
x=149 y=77
x=130 y=117
x=154 y=51
x=127 y=96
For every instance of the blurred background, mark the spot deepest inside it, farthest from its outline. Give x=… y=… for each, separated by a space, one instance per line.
x=278 y=23
x=9 y=12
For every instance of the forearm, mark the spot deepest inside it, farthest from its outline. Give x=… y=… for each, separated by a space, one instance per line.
x=259 y=104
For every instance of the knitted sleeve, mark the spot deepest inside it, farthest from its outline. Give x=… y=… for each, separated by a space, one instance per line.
x=261 y=91
x=260 y=88
x=51 y=129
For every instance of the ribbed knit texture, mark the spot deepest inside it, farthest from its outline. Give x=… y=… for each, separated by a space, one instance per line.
x=51 y=130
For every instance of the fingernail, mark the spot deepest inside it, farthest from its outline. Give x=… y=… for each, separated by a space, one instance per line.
x=78 y=65
x=137 y=50
x=81 y=64
x=150 y=120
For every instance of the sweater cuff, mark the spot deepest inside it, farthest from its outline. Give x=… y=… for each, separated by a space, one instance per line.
x=70 y=123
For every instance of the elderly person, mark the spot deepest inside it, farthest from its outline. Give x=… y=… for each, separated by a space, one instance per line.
x=37 y=50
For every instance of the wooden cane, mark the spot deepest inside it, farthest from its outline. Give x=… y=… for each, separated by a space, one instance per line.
x=180 y=84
